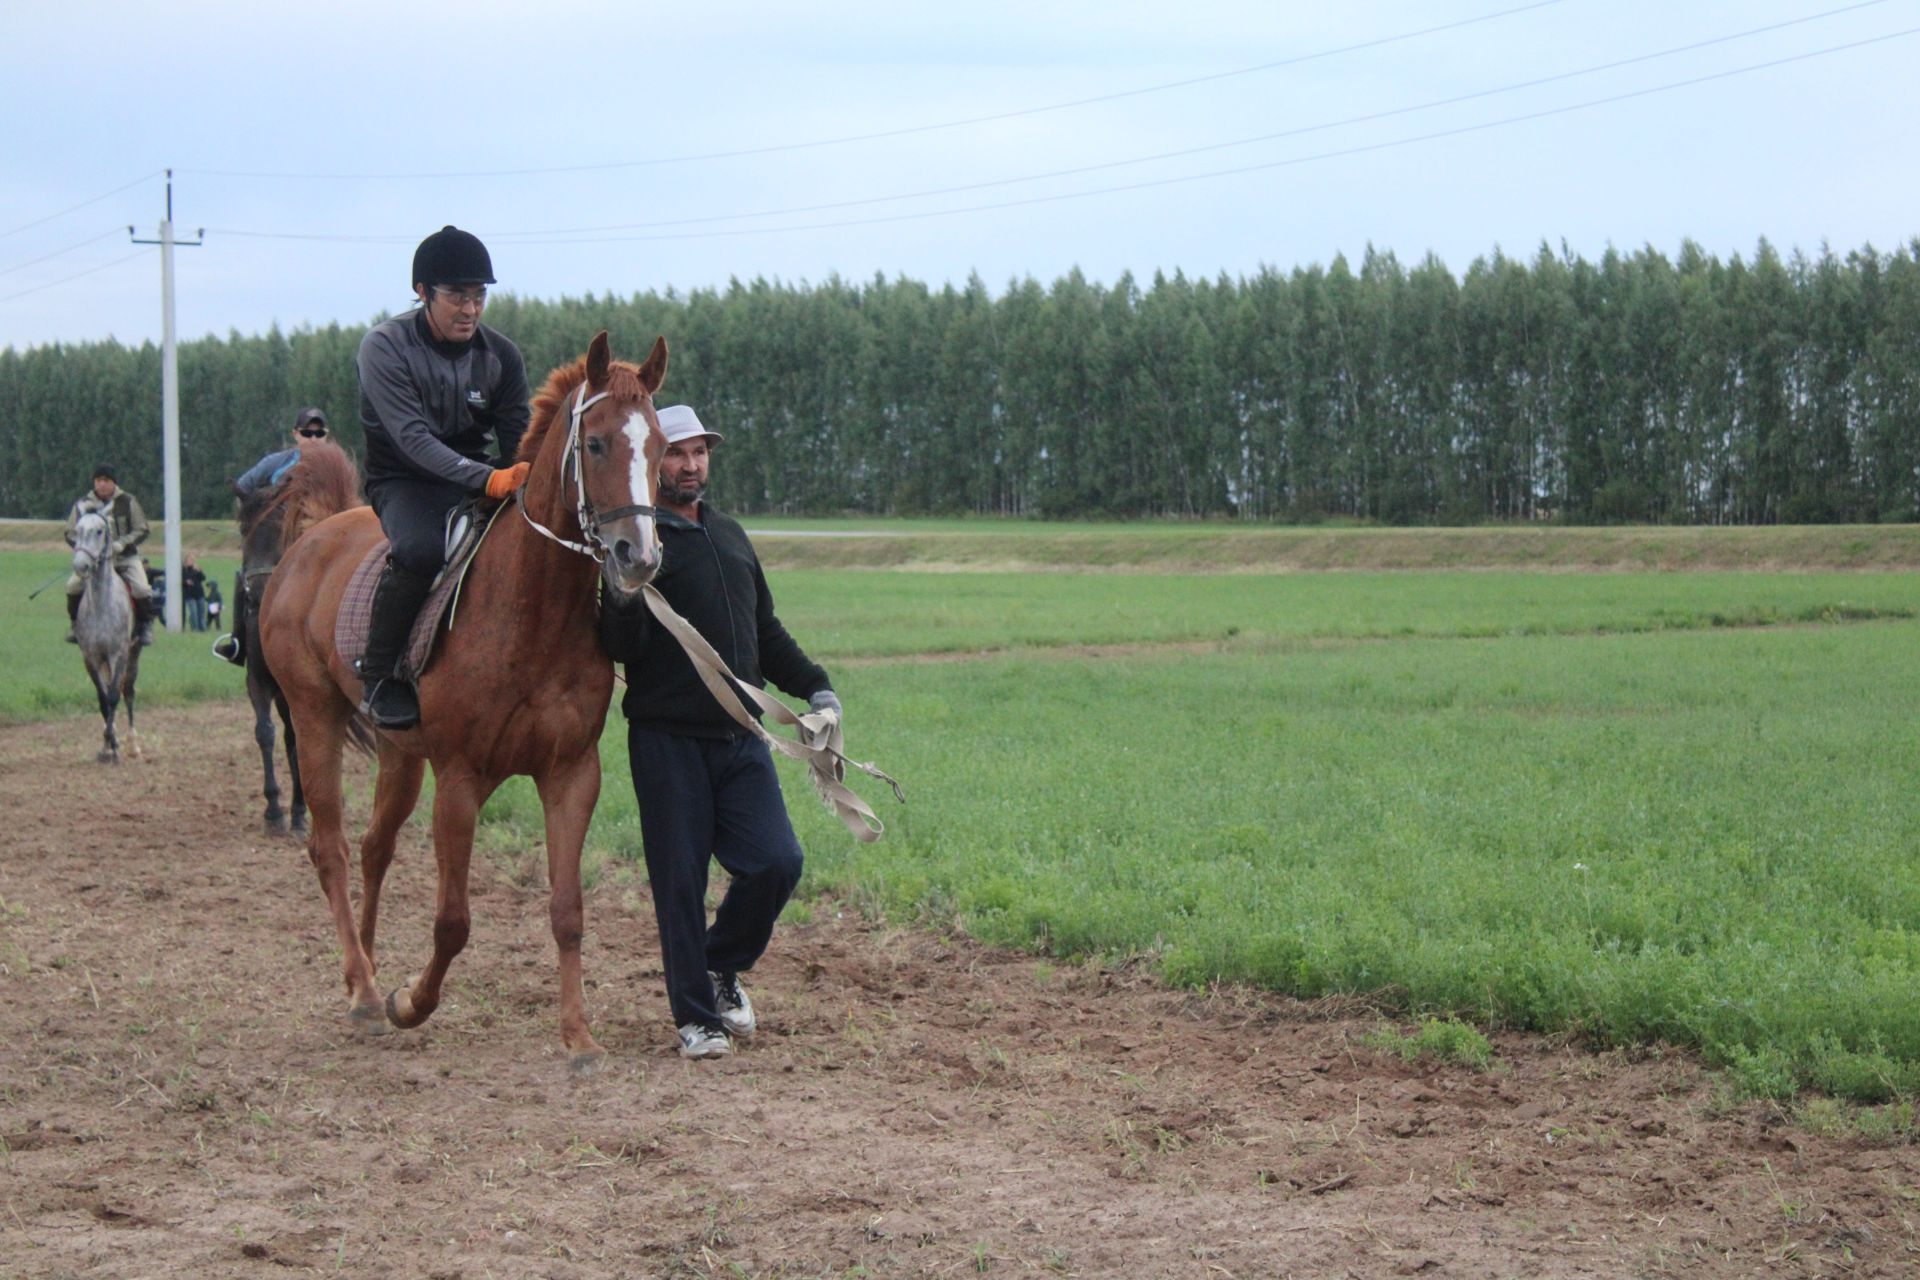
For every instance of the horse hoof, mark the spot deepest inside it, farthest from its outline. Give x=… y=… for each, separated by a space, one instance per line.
x=274 y=828
x=400 y=1008
x=108 y=757
x=583 y=1065
x=369 y=1020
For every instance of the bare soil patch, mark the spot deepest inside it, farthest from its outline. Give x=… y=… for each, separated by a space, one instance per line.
x=180 y=1095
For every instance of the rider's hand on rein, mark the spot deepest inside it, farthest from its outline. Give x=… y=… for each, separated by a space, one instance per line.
x=507 y=479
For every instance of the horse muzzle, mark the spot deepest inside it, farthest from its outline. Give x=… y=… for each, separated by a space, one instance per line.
x=631 y=563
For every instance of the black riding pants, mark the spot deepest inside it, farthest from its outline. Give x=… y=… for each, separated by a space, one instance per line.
x=413 y=514
x=715 y=798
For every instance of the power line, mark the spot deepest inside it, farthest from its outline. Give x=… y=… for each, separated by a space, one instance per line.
x=519 y=236
x=145 y=177
x=1256 y=168
x=1156 y=182
x=893 y=133
x=138 y=253
x=45 y=257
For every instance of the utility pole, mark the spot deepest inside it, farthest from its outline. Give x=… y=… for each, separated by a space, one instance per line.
x=170 y=402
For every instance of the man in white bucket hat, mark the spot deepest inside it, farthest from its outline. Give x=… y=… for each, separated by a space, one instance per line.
x=706 y=787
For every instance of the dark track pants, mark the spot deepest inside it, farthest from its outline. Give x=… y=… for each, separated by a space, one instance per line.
x=413 y=515
x=714 y=798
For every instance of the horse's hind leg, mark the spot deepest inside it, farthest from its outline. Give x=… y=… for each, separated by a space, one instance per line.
x=293 y=768
x=568 y=796
x=456 y=807
x=327 y=849
x=395 y=791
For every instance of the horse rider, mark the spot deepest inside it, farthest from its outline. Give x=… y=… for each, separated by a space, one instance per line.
x=434 y=384
x=309 y=426
x=127 y=527
x=706 y=786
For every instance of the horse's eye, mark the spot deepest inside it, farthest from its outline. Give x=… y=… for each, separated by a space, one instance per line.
x=596 y=446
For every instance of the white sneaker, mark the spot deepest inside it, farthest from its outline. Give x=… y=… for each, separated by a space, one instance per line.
x=697 y=1041
x=736 y=1010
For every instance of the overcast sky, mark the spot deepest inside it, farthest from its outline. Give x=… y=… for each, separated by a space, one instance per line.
x=317 y=143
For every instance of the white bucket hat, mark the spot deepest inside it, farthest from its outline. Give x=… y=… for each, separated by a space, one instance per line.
x=680 y=422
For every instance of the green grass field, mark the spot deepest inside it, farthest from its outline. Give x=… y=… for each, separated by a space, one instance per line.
x=1642 y=807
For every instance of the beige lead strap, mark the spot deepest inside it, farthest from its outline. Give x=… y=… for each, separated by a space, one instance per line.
x=817 y=741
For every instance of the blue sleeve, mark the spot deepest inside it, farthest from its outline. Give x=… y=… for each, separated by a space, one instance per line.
x=266 y=471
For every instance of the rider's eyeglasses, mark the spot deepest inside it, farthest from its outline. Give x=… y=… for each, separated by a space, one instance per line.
x=314 y=433
x=461 y=299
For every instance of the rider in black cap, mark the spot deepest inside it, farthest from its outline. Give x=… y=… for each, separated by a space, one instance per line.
x=309 y=427
x=435 y=383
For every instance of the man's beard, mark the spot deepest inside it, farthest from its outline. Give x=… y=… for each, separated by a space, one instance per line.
x=681 y=495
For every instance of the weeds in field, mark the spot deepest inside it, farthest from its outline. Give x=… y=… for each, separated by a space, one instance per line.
x=1436 y=1040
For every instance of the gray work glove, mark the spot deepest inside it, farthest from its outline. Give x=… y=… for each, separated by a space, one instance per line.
x=824 y=701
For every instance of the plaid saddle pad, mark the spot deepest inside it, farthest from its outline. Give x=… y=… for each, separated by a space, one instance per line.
x=356 y=606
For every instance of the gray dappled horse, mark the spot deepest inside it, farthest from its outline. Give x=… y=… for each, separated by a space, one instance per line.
x=104 y=627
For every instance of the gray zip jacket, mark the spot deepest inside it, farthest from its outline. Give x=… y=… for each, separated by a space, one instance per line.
x=428 y=413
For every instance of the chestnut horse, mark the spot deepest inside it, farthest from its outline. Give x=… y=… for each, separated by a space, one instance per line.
x=519 y=686
x=271 y=520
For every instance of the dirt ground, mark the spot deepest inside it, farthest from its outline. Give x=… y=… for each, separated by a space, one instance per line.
x=180 y=1095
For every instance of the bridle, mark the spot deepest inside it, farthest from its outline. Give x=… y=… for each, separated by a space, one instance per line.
x=96 y=555
x=572 y=456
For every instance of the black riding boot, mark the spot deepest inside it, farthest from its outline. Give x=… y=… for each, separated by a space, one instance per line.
x=233 y=645
x=73 y=618
x=143 y=612
x=390 y=702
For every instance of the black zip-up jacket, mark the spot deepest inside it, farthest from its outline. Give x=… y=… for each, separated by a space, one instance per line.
x=712 y=578
x=428 y=407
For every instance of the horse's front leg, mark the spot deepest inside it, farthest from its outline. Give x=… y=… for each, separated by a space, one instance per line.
x=568 y=793
x=457 y=799
x=106 y=687
x=133 y=734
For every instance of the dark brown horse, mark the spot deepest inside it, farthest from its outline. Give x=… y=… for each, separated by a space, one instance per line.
x=271 y=520
x=519 y=686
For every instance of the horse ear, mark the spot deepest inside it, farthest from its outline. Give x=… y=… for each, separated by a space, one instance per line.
x=599 y=359
x=654 y=371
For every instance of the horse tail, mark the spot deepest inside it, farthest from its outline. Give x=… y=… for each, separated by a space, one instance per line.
x=324 y=483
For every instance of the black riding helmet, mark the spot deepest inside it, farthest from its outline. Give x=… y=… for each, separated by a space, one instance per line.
x=452 y=256
x=306 y=416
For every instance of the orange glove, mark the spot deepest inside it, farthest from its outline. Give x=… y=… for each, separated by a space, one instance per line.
x=505 y=481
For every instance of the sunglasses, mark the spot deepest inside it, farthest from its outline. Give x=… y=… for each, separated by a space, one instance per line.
x=314 y=433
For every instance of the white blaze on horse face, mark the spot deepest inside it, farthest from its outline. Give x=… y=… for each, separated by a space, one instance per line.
x=641 y=479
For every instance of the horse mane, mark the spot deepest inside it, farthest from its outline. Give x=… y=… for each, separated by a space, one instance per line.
x=323 y=484
x=623 y=384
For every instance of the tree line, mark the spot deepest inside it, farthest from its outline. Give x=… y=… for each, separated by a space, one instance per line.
x=1635 y=388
